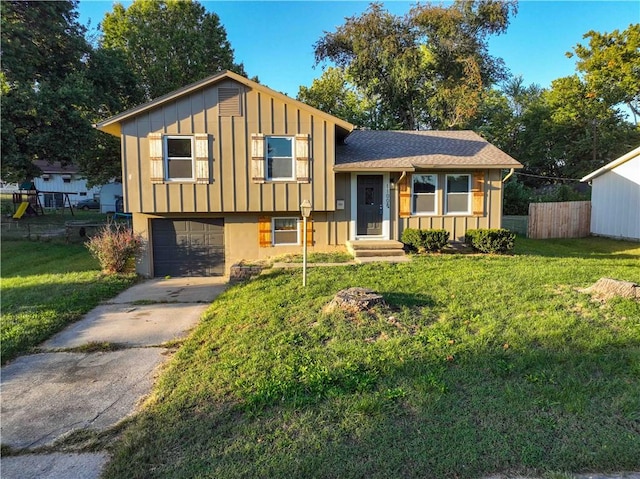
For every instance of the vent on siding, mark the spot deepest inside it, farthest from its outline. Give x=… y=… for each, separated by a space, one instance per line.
x=229 y=102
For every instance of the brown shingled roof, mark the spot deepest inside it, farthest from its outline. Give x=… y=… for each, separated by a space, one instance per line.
x=410 y=150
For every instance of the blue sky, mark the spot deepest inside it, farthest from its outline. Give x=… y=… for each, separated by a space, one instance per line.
x=274 y=39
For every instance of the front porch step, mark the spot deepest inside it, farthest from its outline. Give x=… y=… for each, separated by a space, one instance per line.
x=372 y=250
x=383 y=259
x=362 y=253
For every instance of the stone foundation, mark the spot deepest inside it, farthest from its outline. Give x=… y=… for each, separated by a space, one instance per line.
x=242 y=272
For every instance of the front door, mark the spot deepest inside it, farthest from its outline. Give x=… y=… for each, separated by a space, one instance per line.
x=369 y=205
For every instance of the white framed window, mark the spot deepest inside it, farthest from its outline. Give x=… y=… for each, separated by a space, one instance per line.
x=285 y=231
x=458 y=194
x=179 y=158
x=280 y=158
x=423 y=194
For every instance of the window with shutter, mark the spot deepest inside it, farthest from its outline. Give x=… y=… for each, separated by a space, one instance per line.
x=280 y=158
x=179 y=155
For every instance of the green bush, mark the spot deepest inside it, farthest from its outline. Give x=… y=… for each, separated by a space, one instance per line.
x=115 y=246
x=412 y=238
x=421 y=241
x=490 y=240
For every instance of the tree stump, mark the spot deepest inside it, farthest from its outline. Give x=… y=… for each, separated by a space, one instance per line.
x=607 y=288
x=354 y=300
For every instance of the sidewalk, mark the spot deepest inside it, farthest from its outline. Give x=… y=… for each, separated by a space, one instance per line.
x=70 y=387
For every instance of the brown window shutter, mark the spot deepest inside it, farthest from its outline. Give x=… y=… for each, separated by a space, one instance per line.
x=264 y=229
x=257 y=158
x=156 y=158
x=477 y=191
x=404 y=187
x=302 y=158
x=309 y=231
x=202 y=158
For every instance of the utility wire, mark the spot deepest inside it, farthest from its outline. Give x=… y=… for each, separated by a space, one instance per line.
x=547 y=177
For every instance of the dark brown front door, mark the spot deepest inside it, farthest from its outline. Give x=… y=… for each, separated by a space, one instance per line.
x=369 y=213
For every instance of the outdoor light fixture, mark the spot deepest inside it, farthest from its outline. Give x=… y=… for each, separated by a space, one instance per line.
x=305 y=210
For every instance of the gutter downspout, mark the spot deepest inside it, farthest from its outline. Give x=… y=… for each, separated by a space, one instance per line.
x=511 y=171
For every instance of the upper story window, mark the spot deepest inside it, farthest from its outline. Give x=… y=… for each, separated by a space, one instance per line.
x=280 y=158
x=423 y=194
x=179 y=158
x=458 y=194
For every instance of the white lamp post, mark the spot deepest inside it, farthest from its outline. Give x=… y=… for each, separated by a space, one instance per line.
x=305 y=210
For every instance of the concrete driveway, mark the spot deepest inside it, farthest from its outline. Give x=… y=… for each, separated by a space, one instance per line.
x=63 y=389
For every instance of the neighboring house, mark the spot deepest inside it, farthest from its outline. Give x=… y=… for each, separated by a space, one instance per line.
x=57 y=180
x=111 y=198
x=615 y=198
x=215 y=173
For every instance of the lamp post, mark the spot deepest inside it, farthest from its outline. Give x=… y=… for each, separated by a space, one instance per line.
x=305 y=210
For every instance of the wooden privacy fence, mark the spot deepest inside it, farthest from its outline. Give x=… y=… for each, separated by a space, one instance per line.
x=570 y=219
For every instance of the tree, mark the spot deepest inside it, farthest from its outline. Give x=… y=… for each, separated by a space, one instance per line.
x=610 y=64
x=333 y=93
x=428 y=68
x=53 y=94
x=457 y=62
x=114 y=88
x=43 y=50
x=168 y=44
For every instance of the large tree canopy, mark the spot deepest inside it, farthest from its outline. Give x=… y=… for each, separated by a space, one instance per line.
x=43 y=86
x=426 y=69
x=334 y=93
x=610 y=64
x=168 y=44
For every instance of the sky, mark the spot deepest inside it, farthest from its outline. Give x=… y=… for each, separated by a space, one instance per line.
x=274 y=39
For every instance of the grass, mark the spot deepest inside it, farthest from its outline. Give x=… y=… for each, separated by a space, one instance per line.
x=479 y=364
x=46 y=286
x=331 y=257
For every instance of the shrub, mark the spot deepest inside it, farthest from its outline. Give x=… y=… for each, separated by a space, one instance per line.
x=490 y=240
x=114 y=246
x=421 y=241
x=435 y=240
x=412 y=238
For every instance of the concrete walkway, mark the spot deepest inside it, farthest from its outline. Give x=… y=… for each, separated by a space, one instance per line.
x=64 y=389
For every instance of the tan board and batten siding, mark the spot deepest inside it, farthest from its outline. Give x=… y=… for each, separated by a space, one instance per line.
x=230 y=188
x=486 y=205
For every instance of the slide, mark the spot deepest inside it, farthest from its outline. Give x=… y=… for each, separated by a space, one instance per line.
x=21 y=209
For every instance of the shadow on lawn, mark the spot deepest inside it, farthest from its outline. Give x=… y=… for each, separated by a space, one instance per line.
x=591 y=247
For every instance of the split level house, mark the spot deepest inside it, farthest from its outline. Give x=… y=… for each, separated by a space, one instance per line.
x=214 y=173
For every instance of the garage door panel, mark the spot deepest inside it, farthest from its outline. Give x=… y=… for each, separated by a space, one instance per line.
x=188 y=247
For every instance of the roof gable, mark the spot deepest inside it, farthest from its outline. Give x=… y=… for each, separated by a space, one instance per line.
x=112 y=125
x=615 y=163
x=411 y=150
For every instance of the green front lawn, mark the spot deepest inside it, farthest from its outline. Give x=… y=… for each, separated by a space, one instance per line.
x=46 y=286
x=480 y=364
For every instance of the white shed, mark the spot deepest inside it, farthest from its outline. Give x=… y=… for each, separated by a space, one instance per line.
x=615 y=198
x=110 y=196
